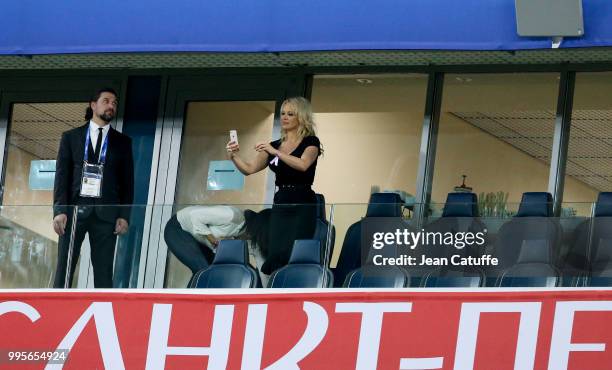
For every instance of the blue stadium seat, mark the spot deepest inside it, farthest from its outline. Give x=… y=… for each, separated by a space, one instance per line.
x=377 y=277
x=601 y=246
x=351 y=254
x=533 y=222
x=591 y=249
x=460 y=214
x=449 y=278
x=372 y=275
x=304 y=269
x=601 y=278
x=460 y=205
x=229 y=268
x=533 y=268
x=602 y=258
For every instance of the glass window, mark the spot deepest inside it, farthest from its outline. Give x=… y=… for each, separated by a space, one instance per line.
x=28 y=244
x=497 y=130
x=370 y=127
x=205 y=135
x=589 y=165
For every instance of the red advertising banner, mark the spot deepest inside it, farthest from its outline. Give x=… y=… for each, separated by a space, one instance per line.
x=281 y=330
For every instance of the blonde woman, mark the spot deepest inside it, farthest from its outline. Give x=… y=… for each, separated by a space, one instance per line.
x=293 y=158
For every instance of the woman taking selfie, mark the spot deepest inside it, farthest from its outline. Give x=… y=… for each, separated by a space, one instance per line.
x=293 y=158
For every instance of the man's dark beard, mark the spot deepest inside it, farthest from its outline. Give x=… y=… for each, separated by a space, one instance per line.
x=107 y=117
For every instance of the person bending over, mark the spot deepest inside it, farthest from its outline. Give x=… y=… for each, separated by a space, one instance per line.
x=193 y=233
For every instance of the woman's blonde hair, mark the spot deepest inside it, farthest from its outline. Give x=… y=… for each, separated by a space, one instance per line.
x=303 y=111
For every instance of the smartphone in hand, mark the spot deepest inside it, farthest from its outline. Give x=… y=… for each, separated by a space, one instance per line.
x=234 y=136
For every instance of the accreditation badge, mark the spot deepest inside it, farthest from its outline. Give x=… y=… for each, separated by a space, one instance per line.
x=91 y=181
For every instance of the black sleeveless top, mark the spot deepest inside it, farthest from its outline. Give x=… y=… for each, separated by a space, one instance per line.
x=286 y=175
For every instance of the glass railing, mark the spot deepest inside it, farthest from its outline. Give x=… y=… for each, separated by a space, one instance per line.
x=444 y=248
x=29 y=247
x=189 y=250
x=393 y=245
x=270 y=232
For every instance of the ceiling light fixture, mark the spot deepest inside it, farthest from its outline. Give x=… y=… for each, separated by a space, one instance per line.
x=364 y=81
x=463 y=79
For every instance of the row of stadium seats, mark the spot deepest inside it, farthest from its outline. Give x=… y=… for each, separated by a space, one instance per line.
x=527 y=247
x=230 y=268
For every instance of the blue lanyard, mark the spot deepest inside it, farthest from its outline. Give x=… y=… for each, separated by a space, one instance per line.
x=102 y=151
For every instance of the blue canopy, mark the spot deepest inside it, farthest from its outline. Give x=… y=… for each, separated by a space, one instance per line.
x=74 y=26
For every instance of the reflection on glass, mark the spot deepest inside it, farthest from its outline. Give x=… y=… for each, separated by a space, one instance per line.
x=28 y=250
x=27 y=258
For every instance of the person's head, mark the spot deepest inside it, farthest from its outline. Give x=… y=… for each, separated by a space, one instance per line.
x=296 y=115
x=102 y=106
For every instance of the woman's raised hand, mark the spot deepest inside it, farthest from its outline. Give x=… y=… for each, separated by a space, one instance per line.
x=265 y=147
x=232 y=148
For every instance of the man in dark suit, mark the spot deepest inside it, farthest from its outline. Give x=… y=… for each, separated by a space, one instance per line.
x=95 y=173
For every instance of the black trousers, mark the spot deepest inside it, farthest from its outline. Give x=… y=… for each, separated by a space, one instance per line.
x=185 y=247
x=293 y=217
x=102 y=241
